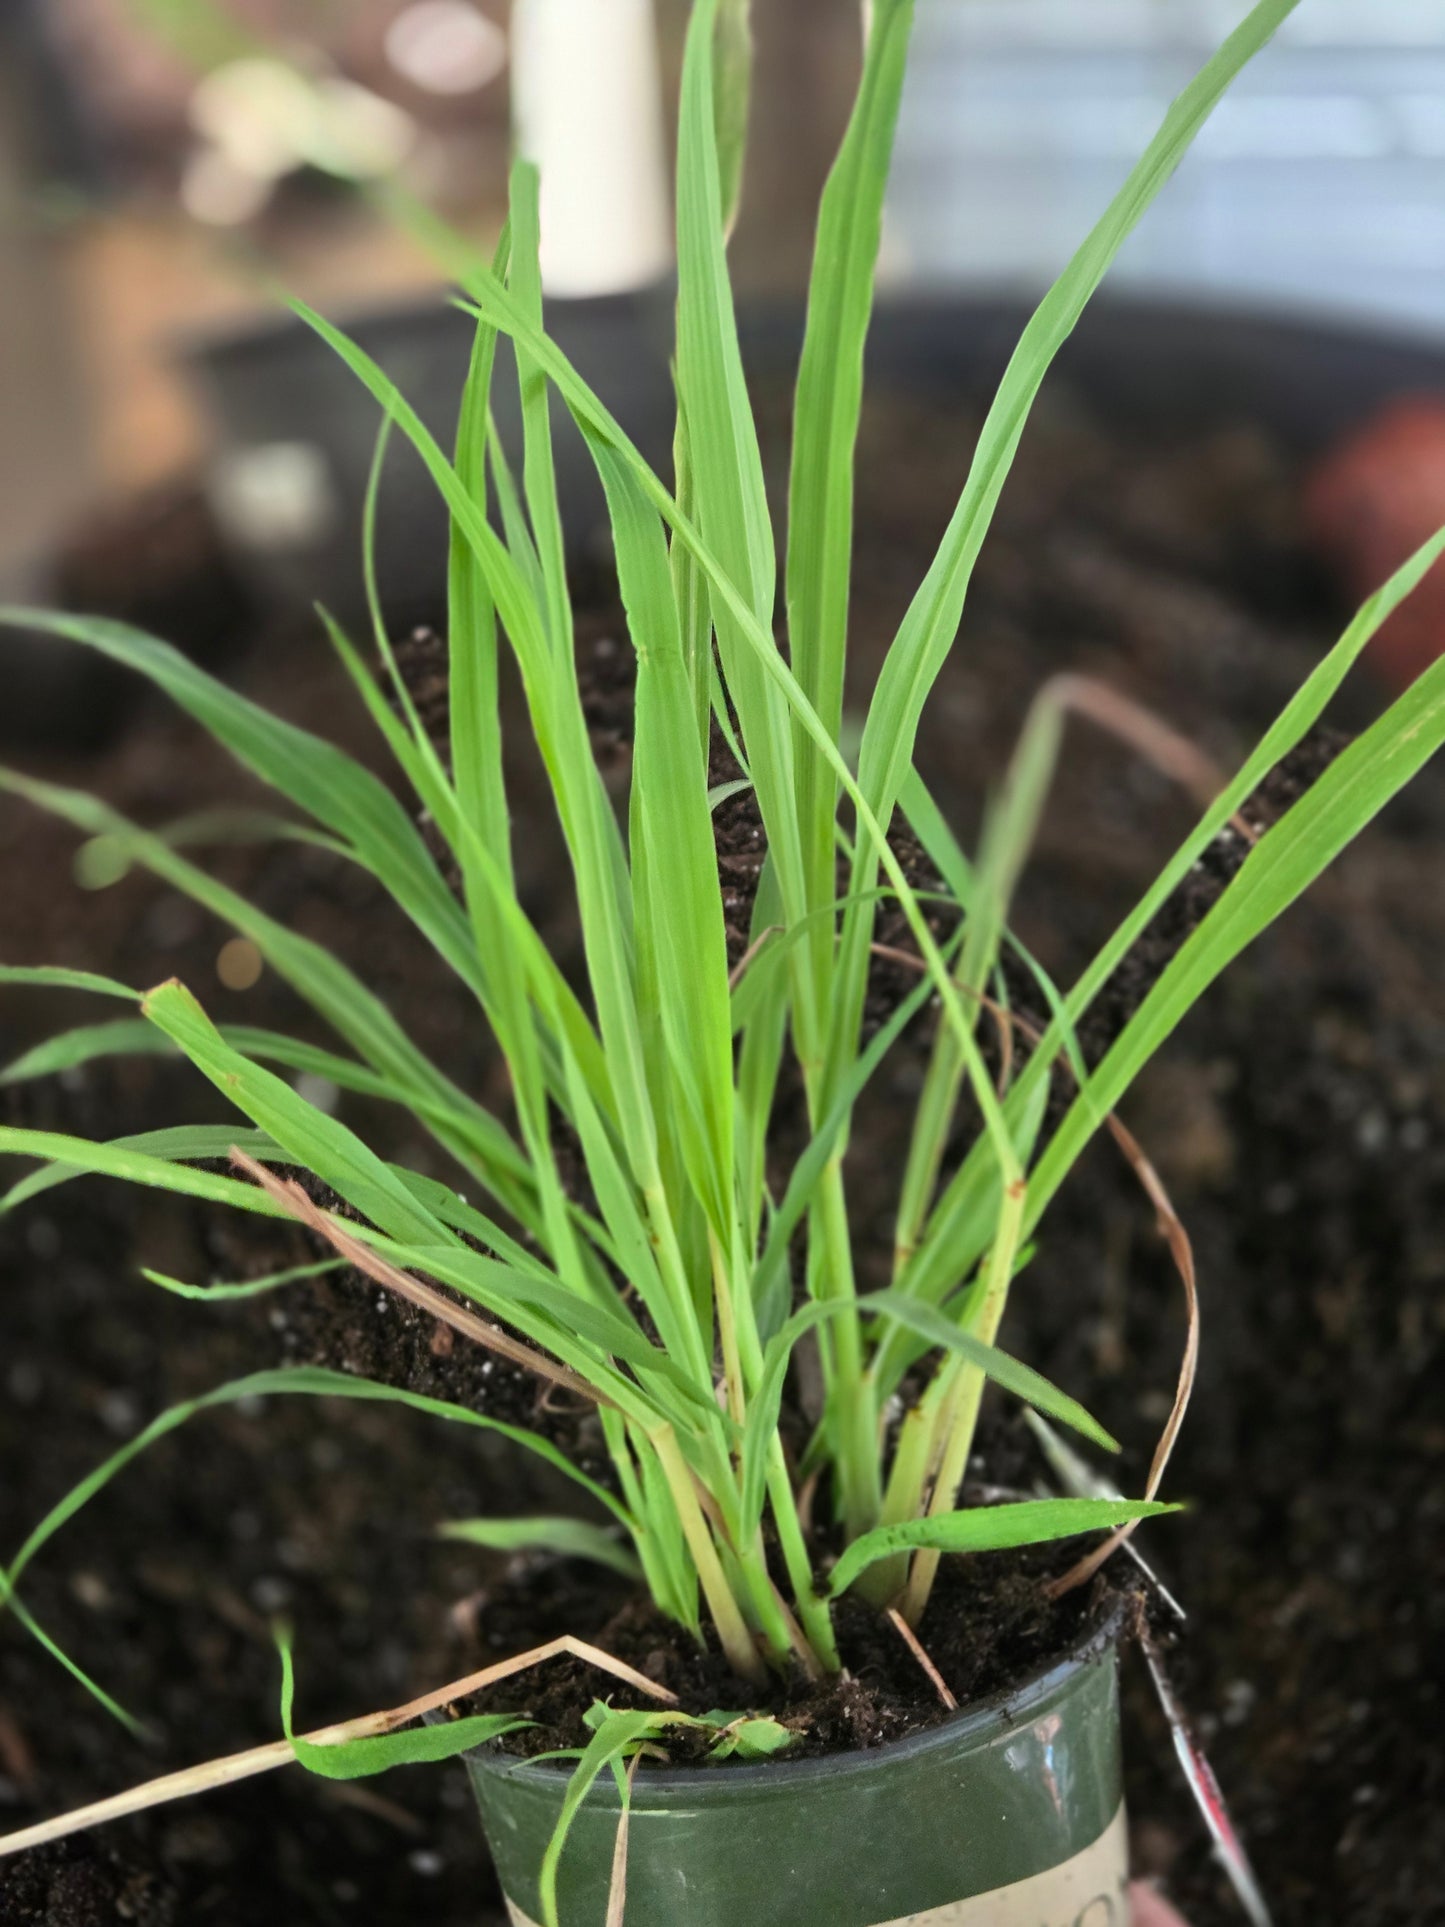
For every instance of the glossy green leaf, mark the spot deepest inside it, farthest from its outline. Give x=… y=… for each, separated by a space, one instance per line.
x=148 y=1157
x=991 y=1528
x=568 y=1538
x=250 y=1288
x=377 y=1753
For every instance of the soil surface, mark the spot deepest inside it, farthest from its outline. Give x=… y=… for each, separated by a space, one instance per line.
x=1298 y=1119
x=989 y=1624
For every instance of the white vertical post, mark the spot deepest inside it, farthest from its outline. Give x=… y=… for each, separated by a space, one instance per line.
x=587 y=105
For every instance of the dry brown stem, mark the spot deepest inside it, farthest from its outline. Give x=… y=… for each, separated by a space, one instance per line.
x=264 y=1759
x=340 y=1237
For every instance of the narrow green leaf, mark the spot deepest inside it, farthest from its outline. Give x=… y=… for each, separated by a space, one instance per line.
x=927 y=633
x=1285 y=861
x=52 y=977
x=474 y=706
x=825 y=430
x=990 y=1529
x=569 y=1538
x=148 y=1158
x=378 y=1753
x=771 y=1282
x=124 y=1037
x=462 y=1126
x=726 y=471
x=671 y=815
x=1007 y=839
x=755 y=1739
x=539 y=475
x=318 y=777
x=616 y=1734
x=291 y=1381
x=732 y=95
x=941 y=846
x=37 y=1632
x=308 y=1136
x=251 y=1288
x=763 y=1409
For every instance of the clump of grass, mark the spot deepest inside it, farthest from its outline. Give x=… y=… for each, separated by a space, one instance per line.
x=667 y=1300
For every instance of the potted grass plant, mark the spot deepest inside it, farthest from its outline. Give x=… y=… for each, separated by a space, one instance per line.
x=624 y=1233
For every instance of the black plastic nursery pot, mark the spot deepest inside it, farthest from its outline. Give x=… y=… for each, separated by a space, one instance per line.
x=1008 y=1815
x=296 y=431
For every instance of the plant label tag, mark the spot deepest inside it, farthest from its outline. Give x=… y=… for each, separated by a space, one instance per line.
x=1091 y=1890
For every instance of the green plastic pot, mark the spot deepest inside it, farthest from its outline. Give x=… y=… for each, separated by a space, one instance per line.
x=1009 y=1815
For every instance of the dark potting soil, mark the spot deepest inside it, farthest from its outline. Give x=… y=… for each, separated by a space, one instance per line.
x=1298 y=1118
x=990 y=1624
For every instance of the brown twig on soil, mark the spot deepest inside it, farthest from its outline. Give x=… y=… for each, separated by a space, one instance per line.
x=1172 y=754
x=739 y=969
x=920 y=1653
x=1003 y=1021
x=351 y=1793
x=264 y=1759
x=15 y=1754
x=287 y=1192
x=1171 y=1227
x=617 y=1886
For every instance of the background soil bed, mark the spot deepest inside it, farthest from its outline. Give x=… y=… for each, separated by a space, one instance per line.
x=1299 y=1121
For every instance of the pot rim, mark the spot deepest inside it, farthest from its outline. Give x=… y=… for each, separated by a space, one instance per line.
x=980 y=1721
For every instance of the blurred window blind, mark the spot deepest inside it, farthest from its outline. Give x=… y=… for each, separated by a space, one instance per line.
x=1320 y=182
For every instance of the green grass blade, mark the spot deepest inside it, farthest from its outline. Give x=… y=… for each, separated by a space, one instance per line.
x=420 y=766
x=319 y=778
x=672 y=816
x=732 y=96
x=378 y=1753
x=470 y=1133
x=410 y=744
x=928 y=630
x=948 y=1227
x=689 y=592
x=1285 y=861
x=1298 y=716
x=932 y=621
x=37 y=1632
x=763 y=1026
x=251 y=1288
x=148 y=1158
x=52 y=977
x=474 y=702
x=727 y=462
x=892 y=1307
x=726 y=470
x=567 y=1538
x=991 y=1528
x=291 y=1381
x=539 y=474
x=825 y=428
x=772 y=1280
x=307 y=1135
x=1007 y=839
x=124 y=1037
x=942 y=847
x=287 y=1381
x=615 y=1736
